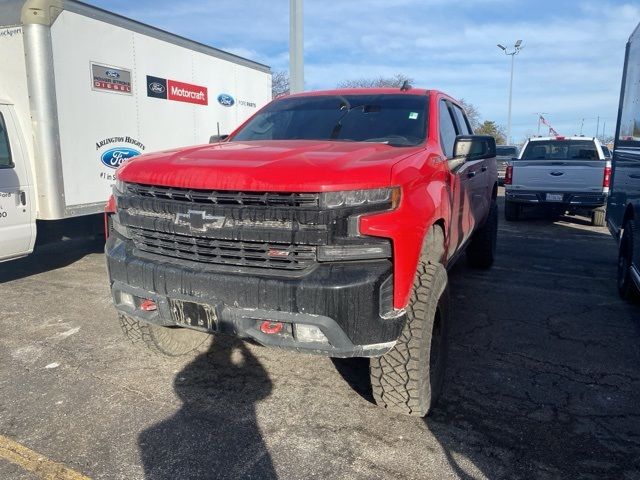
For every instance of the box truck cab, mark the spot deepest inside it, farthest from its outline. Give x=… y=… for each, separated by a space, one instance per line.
x=83 y=90
x=17 y=222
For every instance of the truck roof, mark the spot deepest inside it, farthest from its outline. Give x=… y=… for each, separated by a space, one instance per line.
x=13 y=12
x=372 y=91
x=560 y=137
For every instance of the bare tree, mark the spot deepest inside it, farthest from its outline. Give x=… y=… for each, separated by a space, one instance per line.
x=279 y=84
x=472 y=113
x=380 y=82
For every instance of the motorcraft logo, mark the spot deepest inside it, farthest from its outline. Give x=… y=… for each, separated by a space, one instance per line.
x=122 y=149
x=158 y=87
x=106 y=78
x=199 y=220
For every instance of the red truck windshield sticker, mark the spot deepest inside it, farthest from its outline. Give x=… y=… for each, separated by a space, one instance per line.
x=178 y=91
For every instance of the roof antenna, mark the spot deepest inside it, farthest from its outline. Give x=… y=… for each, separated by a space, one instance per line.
x=405 y=86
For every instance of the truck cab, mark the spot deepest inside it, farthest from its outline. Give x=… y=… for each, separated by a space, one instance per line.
x=17 y=215
x=324 y=224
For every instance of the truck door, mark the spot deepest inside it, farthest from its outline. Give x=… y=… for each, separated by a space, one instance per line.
x=17 y=222
x=461 y=202
x=479 y=183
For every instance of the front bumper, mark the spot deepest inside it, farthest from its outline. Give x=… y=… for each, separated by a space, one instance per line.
x=343 y=300
x=568 y=200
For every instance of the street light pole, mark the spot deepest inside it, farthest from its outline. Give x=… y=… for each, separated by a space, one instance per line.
x=516 y=49
x=296 y=47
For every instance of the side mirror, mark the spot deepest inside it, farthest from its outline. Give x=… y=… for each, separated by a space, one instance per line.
x=474 y=147
x=217 y=138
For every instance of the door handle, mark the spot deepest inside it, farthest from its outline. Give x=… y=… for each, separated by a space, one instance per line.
x=471 y=174
x=23 y=198
x=484 y=168
x=634 y=175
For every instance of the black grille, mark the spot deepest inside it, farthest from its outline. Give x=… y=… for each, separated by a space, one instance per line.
x=269 y=199
x=224 y=252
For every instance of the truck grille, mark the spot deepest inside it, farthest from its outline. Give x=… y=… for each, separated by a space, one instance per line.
x=267 y=199
x=224 y=252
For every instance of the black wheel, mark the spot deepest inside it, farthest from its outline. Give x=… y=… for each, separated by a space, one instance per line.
x=482 y=250
x=598 y=217
x=626 y=286
x=169 y=341
x=511 y=211
x=409 y=378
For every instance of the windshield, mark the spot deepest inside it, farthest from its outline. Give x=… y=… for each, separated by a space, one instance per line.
x=561 y=150
x=396 y=120
x=502 y=151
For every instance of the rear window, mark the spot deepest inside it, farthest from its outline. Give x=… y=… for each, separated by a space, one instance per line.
x=561 y=150
x=503 y=151
x=606 y=151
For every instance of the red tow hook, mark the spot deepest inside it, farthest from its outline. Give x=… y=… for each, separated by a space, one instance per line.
x=148 y=305
x=271 y=328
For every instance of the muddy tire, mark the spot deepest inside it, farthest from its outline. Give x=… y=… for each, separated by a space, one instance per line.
x=169 y=341
x=511 y=211
x=481 y=252
x=626 y=286
x=408 y=379
x=598 y=217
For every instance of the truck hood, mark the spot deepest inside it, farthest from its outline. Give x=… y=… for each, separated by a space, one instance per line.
x=273 y=165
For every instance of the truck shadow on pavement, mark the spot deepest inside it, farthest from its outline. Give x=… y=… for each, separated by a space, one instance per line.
x=49 y=257
x=215 y=432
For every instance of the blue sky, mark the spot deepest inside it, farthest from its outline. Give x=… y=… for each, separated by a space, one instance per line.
x=570 y=67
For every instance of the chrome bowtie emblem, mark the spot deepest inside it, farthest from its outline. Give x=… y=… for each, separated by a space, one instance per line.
x=199 y=220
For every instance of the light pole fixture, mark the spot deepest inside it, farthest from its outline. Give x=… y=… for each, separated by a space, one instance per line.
x=516 y=49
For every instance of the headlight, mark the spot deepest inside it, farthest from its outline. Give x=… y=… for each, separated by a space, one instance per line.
x=120 y=186
x=354 y=198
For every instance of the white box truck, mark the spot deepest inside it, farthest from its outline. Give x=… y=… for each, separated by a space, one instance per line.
x=82 y=90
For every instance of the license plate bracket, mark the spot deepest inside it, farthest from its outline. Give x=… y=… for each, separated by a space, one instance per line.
x=554 y=197
x=192 y=314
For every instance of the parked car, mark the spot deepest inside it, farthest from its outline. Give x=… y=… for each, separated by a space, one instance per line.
x=561 y=174
x=504 y=154
x=325 y=224
x=623 y=208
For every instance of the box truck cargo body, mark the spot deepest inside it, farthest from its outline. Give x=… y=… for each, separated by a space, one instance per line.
x=82 y=90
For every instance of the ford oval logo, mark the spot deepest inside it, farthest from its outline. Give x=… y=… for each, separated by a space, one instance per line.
x=226 y=100
x=112 y=74
x=156 y=87
x=115 y=157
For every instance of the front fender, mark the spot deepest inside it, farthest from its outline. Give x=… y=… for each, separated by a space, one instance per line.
x=424 y=202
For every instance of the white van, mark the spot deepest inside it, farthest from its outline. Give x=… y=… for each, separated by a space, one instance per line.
x=82 y=90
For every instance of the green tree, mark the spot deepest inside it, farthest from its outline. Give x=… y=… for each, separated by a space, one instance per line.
x=489 y=127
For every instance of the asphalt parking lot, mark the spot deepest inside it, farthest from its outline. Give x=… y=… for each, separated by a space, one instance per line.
x=543 y=381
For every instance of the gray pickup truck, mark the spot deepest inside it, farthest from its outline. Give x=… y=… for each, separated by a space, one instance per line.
x=561 y=174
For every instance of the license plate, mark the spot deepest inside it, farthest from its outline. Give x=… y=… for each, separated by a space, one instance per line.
x=191 y=314
x=554 y=197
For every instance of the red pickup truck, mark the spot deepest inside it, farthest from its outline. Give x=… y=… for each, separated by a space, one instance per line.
x=324 y=224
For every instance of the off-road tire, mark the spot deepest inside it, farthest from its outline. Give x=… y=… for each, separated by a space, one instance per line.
x=169 y=341
x=511 y=211
x=407 y=379
x=598 y=217
x=481 y=252
x=626 y=287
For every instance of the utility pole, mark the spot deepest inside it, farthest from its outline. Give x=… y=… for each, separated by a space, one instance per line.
x=296 y=47
x=598 y=126
x=516 y=49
